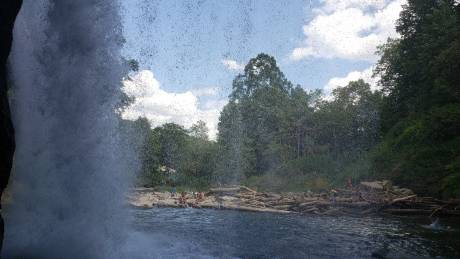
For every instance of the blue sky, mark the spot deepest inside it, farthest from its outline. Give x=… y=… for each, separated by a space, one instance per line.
x=199 y=46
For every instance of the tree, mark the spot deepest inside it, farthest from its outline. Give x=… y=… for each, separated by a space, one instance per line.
x=350 y=121
x=170 y=156
x=199 y=130
x=235 y=151
x=299 y=125
x=271 y=127
x=141 y=141
x=257 y=104
x=420 y=70
x=172 y=139
x=260 y=72
x=421 y=107
x=198 y=162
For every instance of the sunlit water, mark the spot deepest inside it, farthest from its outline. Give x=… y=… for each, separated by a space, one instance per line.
x=219 y=233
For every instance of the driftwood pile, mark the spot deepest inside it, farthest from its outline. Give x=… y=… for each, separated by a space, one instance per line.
x=316 y=203
x=402 y=201
x=367 y=197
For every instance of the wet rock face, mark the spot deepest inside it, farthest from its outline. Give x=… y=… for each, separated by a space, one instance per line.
x=8 y=12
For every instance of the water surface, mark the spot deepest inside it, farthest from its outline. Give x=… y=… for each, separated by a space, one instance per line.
x=221 y=233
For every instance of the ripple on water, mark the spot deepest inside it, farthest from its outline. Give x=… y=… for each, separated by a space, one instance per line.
x=222 y=233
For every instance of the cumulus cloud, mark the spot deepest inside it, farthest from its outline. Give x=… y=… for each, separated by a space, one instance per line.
x=205 y=91
x=332 y=5
x=160 y=106
x=231 y=64
x=365 y=74
x=349 y=29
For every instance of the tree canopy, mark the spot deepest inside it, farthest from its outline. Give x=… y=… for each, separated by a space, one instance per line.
x=421 y=112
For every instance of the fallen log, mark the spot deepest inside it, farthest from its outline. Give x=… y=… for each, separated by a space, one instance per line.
x=306 y=204
x=269 y=199
x=403 y=199
x=245 y=196
x=373 y=185
x=254 y=203
x=247 y=189
x=310 y=210
x=282 y=203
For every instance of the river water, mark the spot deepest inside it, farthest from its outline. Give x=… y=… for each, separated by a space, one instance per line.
x=198 y=233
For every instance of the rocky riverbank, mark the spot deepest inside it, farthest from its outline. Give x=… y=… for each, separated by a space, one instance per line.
x=368 y=197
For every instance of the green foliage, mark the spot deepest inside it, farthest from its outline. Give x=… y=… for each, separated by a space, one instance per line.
x=170 y=155
x=261 y=72
x=420 y=112
x=198 y=162
x=423 y=152
x=279 y=137
x=199 y=130
x=295 y=183
x=350 y=122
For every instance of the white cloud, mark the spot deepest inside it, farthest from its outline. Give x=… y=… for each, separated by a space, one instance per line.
x=160 y=106
x=365 y=74
x=332 y=5
x=300 y=53
x=349 y=29
x=205 y=91
x=232 y=64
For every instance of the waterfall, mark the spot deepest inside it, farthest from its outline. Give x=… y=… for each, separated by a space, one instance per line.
x=71 y=171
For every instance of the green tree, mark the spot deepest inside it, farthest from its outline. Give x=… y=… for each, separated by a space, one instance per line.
x=271 y=128
x=420 y=111
x=235 y=151
x=350 y=121
x=199 y=130
x=172 y=139
x=146 y=147
x=260 y=72
x=257 y=105
x=198 y=162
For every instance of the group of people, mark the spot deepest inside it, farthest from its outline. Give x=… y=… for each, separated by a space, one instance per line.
x=198 y=196
x=333 y=193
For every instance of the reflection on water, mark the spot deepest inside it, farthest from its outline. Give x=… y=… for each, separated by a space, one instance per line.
x=214 y=233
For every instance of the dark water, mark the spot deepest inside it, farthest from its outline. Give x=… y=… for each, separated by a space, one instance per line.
x=220 y=233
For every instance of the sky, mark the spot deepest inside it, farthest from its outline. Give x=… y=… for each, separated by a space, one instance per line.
x=189 y=51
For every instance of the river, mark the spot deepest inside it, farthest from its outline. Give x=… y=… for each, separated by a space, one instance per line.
x=198 y=233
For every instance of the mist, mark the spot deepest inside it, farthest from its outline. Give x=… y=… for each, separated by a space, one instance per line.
x=70 y=171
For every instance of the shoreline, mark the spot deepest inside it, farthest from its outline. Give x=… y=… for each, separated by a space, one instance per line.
x=368 y=198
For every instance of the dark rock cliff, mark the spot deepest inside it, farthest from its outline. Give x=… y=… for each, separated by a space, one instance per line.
x=8 y=12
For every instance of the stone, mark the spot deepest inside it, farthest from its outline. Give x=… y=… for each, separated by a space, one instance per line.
x=8 y=12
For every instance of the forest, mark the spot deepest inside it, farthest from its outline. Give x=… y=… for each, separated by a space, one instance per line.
x=274 y=135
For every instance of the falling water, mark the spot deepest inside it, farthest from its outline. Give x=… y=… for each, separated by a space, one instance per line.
x=70 y=175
